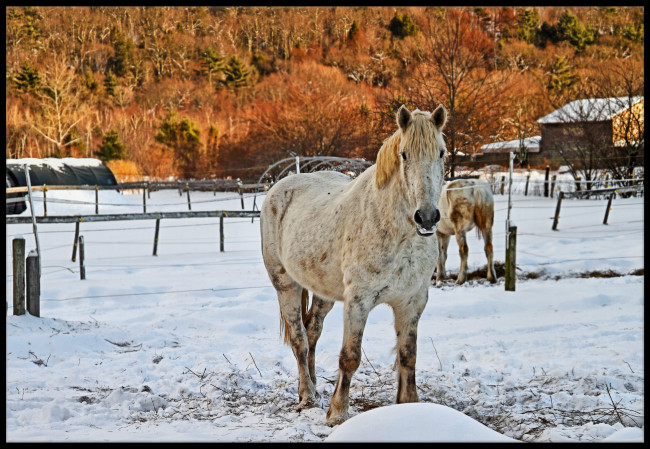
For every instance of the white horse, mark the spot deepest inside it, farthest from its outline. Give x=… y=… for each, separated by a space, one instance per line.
x=365 y=242
x=465 y=203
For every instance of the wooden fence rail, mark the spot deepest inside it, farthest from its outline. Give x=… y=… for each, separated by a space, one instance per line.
x=151 y=186
x=134 y=216
x=78 y=219
x=587 y=193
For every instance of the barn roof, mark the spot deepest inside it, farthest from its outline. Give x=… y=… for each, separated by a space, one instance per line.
x=531 y=143
x=63 y=171
x=54 y=171
x=590 y=110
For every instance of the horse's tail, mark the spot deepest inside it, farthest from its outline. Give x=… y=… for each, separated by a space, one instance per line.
x=284 y=328
x=483 y=209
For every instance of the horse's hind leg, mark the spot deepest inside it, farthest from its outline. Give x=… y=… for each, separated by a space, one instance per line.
x=487 y=237
x=314 y=325
x=443 y=245
x=407 y=316
x=463 y=249
x=290 y=298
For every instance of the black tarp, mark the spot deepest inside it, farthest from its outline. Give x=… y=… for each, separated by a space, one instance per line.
x=51 y=172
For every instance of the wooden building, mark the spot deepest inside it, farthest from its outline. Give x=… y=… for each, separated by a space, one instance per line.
x=599 y=127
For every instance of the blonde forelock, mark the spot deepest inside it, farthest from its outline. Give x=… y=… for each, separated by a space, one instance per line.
x=418 y=137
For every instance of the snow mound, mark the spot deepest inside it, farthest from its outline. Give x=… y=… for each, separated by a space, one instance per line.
x=415 y=422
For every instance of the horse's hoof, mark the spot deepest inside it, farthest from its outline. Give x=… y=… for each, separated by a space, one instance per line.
x=460 y=281
x=307 y=403
x=336 y=420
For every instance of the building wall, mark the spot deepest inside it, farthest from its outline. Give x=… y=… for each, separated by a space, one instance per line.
x=626 y=126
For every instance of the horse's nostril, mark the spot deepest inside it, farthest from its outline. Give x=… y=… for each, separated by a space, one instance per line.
x=436 y=216
x=418 y=217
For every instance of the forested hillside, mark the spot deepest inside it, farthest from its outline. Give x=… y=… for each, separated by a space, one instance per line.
x=203 y=92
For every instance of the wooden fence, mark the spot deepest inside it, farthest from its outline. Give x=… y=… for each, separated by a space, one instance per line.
x=610 y=193
x=146 y=187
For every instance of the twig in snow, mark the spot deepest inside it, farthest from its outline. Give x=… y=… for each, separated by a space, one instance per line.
x=224 y=356
x=607 y=387
x=373 y=368
x=436 y=351
x=201 y=376
x=258 y=370
x=628 y=365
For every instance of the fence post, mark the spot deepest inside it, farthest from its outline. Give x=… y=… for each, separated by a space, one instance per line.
x=557 y=210
x=31 y=207
x=33 y=284
x=527 y=181
x=19 y=275
x=155 y=238
x=76 y=239
x=96 y=199
x=503 y=183
x=553 y=179
x=221 y=231
x=144 y=198
x=189 y=205
x=609 y=206
x=511 y=258
x=240 y=185
x=548 y=168
x=578 y=184
x=82 y=267
x=44 y=200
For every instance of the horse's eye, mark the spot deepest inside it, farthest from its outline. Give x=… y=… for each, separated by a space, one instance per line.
x=442 y=153
x=403 y=155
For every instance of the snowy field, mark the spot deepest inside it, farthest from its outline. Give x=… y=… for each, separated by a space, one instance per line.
x=186 y=345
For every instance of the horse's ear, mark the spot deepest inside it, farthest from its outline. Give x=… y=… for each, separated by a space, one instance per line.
x=439 y=117
x=403 y=117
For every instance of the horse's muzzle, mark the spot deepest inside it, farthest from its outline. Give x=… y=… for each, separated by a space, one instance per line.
x=426 y=222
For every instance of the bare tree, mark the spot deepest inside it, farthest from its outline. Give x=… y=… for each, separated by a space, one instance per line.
x=60 y=105
x=458 y=74
x=624 y=80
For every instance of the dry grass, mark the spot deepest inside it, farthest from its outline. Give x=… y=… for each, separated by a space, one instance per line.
x=124 y=171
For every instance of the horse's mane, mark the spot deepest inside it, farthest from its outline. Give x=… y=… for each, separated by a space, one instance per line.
x=417 y=131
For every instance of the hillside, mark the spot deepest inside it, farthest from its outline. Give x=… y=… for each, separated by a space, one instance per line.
x=200 y=92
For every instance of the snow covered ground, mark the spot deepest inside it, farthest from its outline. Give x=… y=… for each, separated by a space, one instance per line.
x=186 y=346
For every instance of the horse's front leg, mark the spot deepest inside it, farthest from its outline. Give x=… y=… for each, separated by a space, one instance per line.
x=355 y=315
x=463 y=249
x=407 y=316
x=443 y=245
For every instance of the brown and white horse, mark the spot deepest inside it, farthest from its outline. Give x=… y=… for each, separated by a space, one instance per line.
x=364 y=242
x=465 y=203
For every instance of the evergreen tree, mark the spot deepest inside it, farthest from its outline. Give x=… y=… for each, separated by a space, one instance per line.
x=122 y=59
x=89 y=79
x=634 y=31
x=402 y=26
x=213 y=62
x=561 y=78
x=27 y=79
x=546 y=33
x=110 y=83
x=572 y=30
x=527 y=22
x=111 y=147
x=184 y=138
x=354 y=31
x=236 y=75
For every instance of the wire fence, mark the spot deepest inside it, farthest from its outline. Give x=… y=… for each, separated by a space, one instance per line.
x=100 y=263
